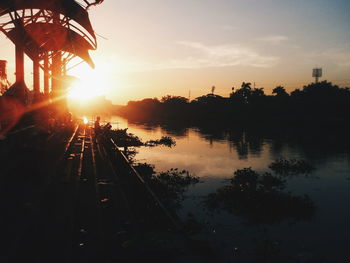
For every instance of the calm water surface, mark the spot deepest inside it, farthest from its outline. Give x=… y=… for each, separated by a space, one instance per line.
x=214 y=155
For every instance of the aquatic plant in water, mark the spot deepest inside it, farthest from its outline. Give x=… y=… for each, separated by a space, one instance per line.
x=165 y=141
x=124 y=139
x=259 y=199
x=169 y=185
x=292 y=166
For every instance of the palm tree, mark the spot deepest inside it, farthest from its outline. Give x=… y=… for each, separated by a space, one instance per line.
x=280 y=91
x=245 y=91
x=246 y=85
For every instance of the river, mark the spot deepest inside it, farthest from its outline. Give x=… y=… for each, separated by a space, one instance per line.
x=214 y=154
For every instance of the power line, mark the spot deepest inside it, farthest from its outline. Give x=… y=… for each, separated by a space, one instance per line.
x=105 y=38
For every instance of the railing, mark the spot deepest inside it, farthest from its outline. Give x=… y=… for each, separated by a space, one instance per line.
x=155 y=198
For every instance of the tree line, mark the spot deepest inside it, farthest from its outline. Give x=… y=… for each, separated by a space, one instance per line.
x=316 y=103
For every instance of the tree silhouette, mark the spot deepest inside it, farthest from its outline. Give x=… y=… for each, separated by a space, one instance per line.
x=244 y=92
x=168 y=99
x=258 y=92
x=317 y=103
x=280 y=91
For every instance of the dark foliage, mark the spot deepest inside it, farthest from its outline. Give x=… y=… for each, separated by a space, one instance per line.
x=259 y=199
x=169 y=186
x=320 y=103
x=293 y=166
x=165 y=140
x=124 y=139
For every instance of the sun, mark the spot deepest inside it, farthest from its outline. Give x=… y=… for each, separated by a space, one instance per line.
x=90 y=83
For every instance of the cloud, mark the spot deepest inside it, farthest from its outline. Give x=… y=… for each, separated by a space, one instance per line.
x=273 y=40
x=337 y=56
x=229 y=27
x=204 y=56
x=228 y=55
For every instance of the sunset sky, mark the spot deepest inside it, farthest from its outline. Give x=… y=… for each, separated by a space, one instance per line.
x=151 y=48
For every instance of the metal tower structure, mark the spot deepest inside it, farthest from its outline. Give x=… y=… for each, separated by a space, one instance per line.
x=51 y=33
x=317 y=73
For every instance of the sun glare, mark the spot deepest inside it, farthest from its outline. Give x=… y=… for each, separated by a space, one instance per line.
x=85 y=120
x=90 y=84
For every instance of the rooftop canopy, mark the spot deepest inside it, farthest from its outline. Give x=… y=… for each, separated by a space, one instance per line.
x=38 y=38
x=68 y=8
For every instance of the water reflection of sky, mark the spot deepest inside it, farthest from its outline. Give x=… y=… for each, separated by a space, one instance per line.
x=194 y=152
x=214 y=157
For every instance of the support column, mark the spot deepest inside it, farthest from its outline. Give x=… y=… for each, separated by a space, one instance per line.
x=56 y=73
x=64 y=67
x=56 y=65
x=46 y=75
x=36 y=79
x=20 y=87
x=19 y=64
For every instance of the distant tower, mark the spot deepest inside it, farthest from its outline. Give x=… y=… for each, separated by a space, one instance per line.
x=213 y=89
x=3 y=76
x=317 y=73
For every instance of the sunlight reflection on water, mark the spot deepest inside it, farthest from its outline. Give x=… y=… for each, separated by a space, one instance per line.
x=194 y=152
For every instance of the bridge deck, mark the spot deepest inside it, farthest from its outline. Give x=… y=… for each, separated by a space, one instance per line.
x=84 y=203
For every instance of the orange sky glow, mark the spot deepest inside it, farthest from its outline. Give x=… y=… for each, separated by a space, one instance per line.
x=157 y=47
